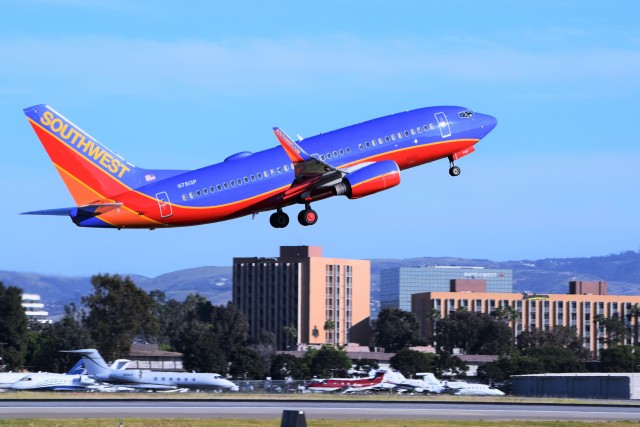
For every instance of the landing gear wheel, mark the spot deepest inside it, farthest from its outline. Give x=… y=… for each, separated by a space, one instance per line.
x=279 y=219
x=454 y=171
x=307 y=217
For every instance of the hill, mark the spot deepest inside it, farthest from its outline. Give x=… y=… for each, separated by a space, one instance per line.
x=551 y=275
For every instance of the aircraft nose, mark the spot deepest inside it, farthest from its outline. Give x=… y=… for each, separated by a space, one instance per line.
x=488 y=123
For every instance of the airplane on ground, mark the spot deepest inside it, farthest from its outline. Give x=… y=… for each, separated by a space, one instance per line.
x=56 y=382
x=463 y=388
x=355 y=161
x=428 y=384
x=76 y=379
x=117 y=374
x=8 y=378
x=352 y=385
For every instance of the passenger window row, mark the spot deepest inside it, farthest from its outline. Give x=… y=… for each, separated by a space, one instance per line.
x=334 y=154
x=394 y=136
x=226 y=185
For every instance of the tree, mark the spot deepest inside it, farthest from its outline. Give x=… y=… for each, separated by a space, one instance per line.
x=287 y=365
x=560 y=336
x=409 y=362
x=47 y=341
x=365 y=365
x=322 y=362
x=506 y=366
x=621 y=358
x=616 y=331
x=247 y=364
x=291 y=336
x=230 y=327
x=556 y=359
x=119 y=312
x=473 y=333
x=396 y=329
x=450 y=365
x=205 y=334
x=634 y=313
x=265 y=347
x=13 y=328
x=200 y=348
x=329 y=326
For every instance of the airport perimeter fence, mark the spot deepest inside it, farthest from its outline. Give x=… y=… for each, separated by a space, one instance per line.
x=271 y=386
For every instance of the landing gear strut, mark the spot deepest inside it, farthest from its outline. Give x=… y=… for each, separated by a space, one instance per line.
x=307 y=216
x=453 y=170
x=279 y=219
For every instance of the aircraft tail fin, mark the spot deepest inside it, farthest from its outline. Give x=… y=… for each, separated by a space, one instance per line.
x=89 y=169
x=77 y=369
x=93 y=361
x=429 y=378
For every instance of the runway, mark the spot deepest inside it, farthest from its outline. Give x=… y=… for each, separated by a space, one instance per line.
x=325 y=409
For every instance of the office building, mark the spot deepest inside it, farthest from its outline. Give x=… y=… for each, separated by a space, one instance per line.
x=535 y=311
x=398 y=284
x=304 y=298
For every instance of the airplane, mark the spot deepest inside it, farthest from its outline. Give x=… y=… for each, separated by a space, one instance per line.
x=351 y=385
x=354 y=161
x=75 y=379
x=463 y=388
x=55 y=382
x=428 y=384
x=117 y=374
x=8 y=378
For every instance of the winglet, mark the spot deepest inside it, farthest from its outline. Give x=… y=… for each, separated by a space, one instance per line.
x=293 y=150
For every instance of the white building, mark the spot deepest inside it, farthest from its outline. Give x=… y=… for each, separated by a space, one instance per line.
x=34 y=309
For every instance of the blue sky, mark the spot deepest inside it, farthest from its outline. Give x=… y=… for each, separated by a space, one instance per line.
x=181 y=85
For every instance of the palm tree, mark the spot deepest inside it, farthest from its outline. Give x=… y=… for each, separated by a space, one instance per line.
x=329 y=326
x=291 y=332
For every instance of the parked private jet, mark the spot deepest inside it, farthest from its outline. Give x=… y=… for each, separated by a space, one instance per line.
x=117 y=374
x=355 y=161
x=463 y=388
x=75 y=379
x=383 y=380
x=430 y=384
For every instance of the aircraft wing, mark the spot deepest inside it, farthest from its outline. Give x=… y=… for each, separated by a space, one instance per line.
x=310 y=172
x=152 y=387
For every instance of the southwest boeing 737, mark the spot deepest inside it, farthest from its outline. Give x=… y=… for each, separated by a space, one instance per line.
x=354 y=161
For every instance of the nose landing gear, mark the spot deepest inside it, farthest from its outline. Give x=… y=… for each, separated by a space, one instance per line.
x=453 y=170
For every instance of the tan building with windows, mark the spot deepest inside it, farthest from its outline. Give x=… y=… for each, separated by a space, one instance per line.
x=534 y=311
x=304 y=298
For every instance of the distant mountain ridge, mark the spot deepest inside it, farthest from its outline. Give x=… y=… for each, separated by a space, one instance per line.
x=552 y=275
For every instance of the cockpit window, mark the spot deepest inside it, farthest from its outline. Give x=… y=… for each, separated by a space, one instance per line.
x=466 y=114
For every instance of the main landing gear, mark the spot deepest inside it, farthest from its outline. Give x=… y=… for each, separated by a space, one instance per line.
x=307 y=216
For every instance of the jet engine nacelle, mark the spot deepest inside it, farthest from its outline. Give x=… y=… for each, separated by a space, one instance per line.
x=371 y=179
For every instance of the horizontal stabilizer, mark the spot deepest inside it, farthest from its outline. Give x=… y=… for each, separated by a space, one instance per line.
x=84 y=211
x=80 y=213
x=59 y=212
